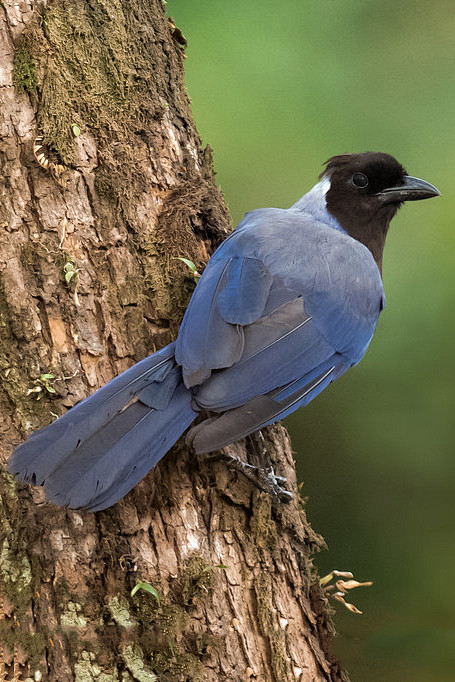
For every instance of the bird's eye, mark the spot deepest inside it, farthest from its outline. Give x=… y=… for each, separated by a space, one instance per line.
x=360 y=180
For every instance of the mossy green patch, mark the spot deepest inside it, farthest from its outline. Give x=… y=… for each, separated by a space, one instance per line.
x=172 y=650
x=145 y=607
x=167 y=619
x=89 y=81
x=195 y=579
x=90 y=74
x=172 y=665
x=267 y=619
x=186 y=210
x=19 y=575
x=262 y=525
x=34 y=643
x=172 y=621
x=25 y=77
x=15 y=377
x=17 y=581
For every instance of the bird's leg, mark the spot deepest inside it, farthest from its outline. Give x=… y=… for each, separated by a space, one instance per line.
x=263 y=478
x=277 y=482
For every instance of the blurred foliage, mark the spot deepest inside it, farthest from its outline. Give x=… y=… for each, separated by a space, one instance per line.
x=277 y=88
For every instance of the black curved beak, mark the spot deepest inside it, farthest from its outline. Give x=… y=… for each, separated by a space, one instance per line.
x=411 y=189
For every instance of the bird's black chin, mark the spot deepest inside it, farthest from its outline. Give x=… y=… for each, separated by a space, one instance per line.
x=410 y=189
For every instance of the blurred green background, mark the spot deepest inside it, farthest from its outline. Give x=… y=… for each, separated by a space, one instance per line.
x=277 y=88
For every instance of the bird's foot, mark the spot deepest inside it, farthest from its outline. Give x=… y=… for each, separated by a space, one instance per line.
x=277 y=485
x=264 y=479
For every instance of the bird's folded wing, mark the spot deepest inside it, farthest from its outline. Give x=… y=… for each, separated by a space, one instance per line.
x=276 y=270
x=213 y=434
x=230 y=295
x=243 y=299
x=278 y=348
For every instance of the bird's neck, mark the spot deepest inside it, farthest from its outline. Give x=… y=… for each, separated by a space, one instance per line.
x=314 y=203
x=369 y=230
x=372 y=234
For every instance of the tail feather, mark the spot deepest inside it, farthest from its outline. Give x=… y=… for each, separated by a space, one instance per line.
x=95 y=453
x=110 y=464
x=33 y=460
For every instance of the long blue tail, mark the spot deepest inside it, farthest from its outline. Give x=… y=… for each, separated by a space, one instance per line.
x=95 y=453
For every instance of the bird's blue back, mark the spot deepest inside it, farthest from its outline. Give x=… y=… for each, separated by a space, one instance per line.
x=285 y=296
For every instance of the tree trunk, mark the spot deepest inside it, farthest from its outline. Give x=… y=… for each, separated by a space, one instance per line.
x=103 y=186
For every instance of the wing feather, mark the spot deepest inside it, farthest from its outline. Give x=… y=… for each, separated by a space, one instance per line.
x=206 y=341
x=243 y=299
x=280 y=347
x=263 y=410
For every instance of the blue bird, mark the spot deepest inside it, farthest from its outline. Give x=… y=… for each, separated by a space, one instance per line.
x=286 y=304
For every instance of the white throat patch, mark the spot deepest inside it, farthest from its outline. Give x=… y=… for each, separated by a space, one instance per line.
x=321 y=188
x=314 y=203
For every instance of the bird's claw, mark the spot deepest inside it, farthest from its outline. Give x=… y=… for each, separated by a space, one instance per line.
x=264 y=479
x=278 y=479
x=276 y=486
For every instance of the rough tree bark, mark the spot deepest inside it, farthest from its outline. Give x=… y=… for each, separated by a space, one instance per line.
x=89 y=284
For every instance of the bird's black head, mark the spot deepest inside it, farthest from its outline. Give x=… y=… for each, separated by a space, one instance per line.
x=366 y=190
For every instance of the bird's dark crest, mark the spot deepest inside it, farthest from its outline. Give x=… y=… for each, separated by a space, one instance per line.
x=329 y=165
x=378 y=162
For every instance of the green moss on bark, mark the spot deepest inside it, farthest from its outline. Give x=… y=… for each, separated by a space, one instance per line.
x=195 y=580
x=16 y=369
x=173 y=665
x=25 y=77
x=16 y=578
x=169 y=648
x=267 y=620
x=88 y=72
x=19 y=576
x=262 y=525
x=34 y=643
x=188 y=209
